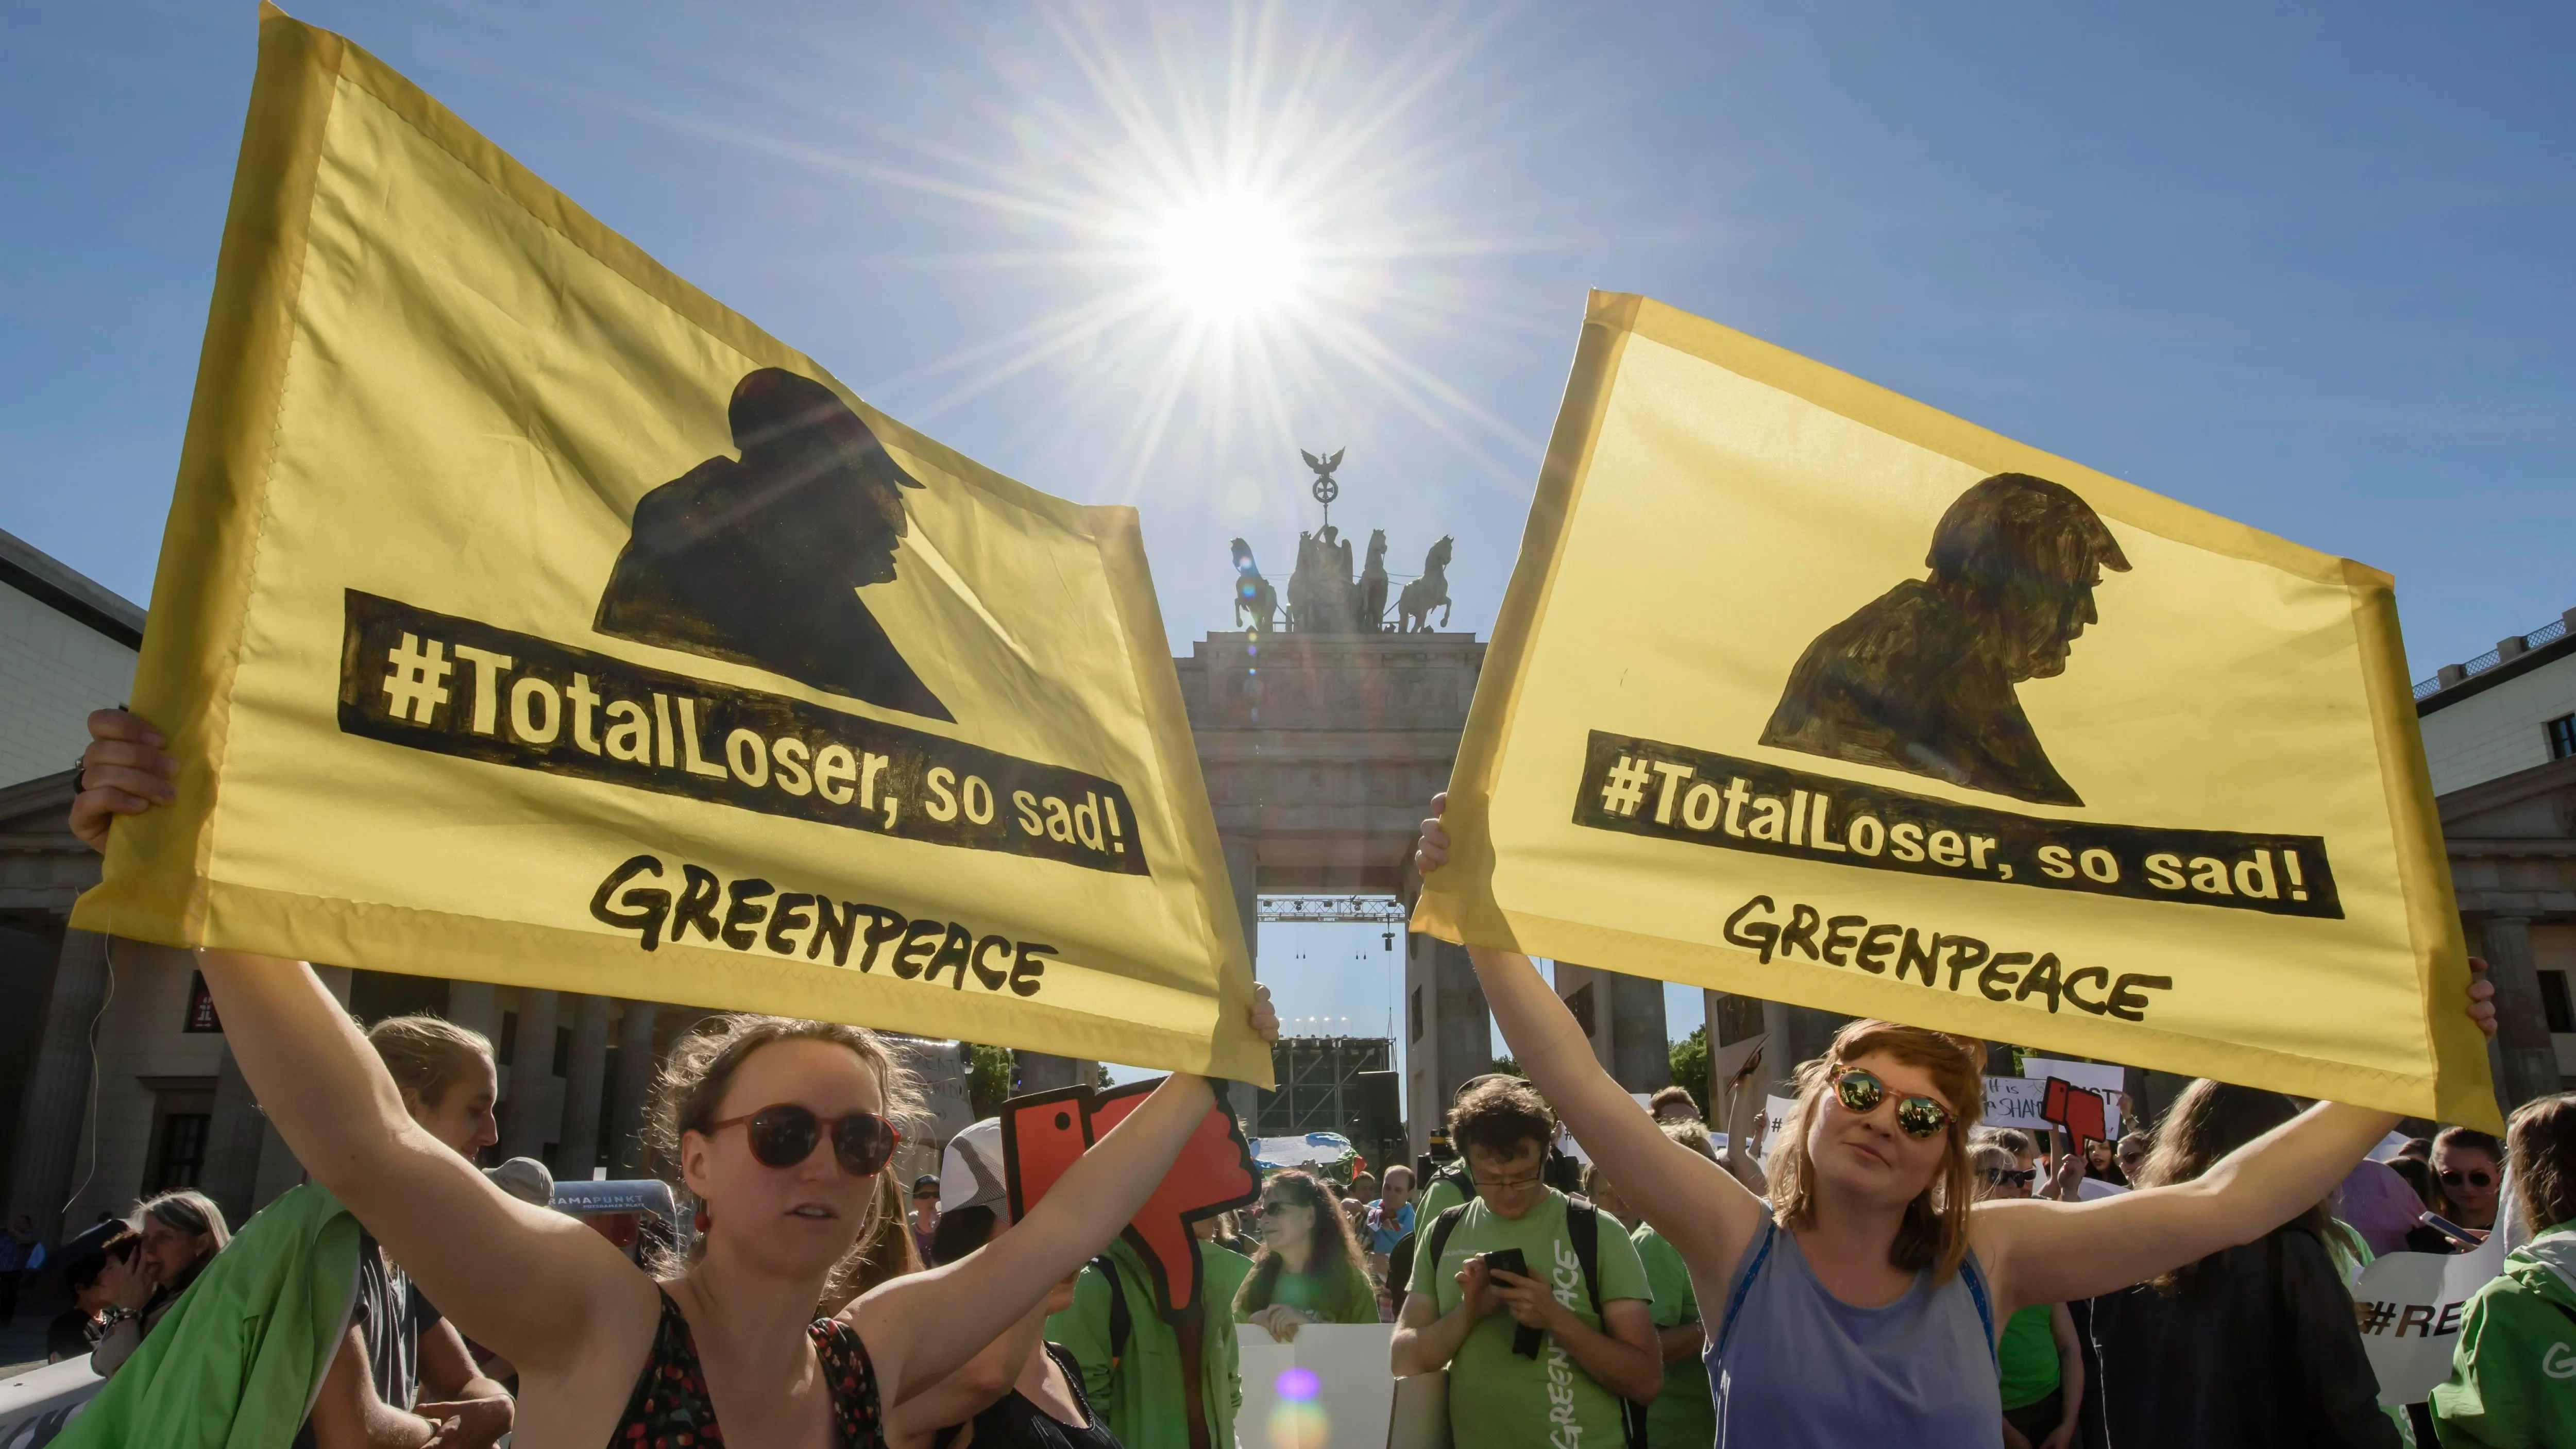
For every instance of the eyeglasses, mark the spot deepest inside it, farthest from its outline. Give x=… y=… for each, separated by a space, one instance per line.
x=2455 y=1177
x=2010 y=1177
x=1278 y=1206
x=786 y=1134
x=1921 y=1117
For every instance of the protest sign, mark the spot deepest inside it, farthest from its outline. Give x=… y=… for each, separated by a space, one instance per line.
x=1045 y=1133
x=2409 y=1305
x=526 y=616
x=1805 y=690
x=1328 y=1388
x=2101 y=1079
x=2076 y=1112
x=1775 y=1115
x=2015 y=1102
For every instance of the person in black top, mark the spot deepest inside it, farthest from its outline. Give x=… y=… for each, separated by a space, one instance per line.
x=1044 y=1406
x=77 y=1329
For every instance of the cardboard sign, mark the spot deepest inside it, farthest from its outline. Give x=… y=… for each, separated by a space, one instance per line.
x=2409 y=1305
x=1804 y=690
x=2015 y=1102
x=1328 y=1388
x=1045 y=1132
x=2075 y=1111
x=526 y=616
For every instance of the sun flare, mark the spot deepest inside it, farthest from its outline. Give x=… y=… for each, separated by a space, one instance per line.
x=1229 y=256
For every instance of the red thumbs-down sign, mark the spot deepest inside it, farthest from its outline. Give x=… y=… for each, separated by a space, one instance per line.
x=1044 y=1133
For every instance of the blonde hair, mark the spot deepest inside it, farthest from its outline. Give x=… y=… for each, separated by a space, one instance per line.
x=702 y=1063
x=1934 y=1233
x=425 y=1053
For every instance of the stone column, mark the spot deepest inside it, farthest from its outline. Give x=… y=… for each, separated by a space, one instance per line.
x=233 y=1142
x=57 y=1100
x=526 y=1126
x=635 y=1064
x=585 y=1081
x=1042 y=1071
x=469 y=1005
x=1465 y=1030
x=2526 y=1063
x=1641 y=1052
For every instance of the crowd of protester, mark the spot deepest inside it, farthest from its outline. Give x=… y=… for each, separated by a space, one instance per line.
x=1889 y=1270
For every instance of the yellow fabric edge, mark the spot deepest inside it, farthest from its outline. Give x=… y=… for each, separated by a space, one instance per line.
x=432 y=943
x=1966 y=1013
x=2465 y=1078
x=1244 y=1056
x=1457 y=904
x=1930 y=428
x=152 y=885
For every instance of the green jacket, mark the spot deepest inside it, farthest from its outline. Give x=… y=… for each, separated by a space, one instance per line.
x=235 y=1362
x=1140 y=1395
x=2513 y=1372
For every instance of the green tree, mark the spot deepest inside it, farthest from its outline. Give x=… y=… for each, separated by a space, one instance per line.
x=1690 y=1067
x=988 y=1079
x=1510 y=1068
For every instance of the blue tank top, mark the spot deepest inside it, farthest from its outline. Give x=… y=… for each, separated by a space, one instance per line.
x=1794 y=1367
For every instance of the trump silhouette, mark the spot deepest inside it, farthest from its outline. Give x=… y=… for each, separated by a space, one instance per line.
x=760 y=560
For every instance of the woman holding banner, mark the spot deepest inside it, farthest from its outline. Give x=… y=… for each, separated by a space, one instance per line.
x=780 y=1128
x=1861 y=1303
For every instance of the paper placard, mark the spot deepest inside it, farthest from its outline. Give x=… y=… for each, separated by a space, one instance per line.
x=2409 y=1305
x=1330 y=1388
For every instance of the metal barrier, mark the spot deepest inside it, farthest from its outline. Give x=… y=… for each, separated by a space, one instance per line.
x=36 y=1404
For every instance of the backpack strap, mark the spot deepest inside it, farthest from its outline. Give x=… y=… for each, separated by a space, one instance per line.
x=1444 y=1225
x=1583 y=1229
x=1120 y=1324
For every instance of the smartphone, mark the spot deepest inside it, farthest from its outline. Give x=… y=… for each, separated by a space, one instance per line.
x=2465 y=1237
x=1507 y=1260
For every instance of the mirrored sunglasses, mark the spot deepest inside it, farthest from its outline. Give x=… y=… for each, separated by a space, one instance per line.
x=1920 y=1117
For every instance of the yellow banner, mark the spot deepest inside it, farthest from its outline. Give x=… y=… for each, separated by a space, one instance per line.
x=526 y=616
x=1808 y=691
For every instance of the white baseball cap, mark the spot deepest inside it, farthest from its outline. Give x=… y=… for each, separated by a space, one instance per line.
x=970 y=1171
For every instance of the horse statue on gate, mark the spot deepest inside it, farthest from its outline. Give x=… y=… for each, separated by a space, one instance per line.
x=1253 y=594
x=1413 y=607
x=1373 y=585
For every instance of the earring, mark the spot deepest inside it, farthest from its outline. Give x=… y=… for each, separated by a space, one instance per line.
x=705 y=1220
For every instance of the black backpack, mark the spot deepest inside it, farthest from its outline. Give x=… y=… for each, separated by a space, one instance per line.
x=1120 y=1325
x=1583 y=1229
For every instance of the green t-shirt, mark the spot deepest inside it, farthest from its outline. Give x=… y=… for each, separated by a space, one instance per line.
x=1683 y=1416
x=2028 y=1357
x=1495 y=1395
x=1325 y=1298
x=1443 y=1194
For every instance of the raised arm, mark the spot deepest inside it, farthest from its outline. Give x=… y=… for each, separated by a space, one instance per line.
x=919 y=1328
x=1741 y=1129
x=2056 y=1252
x=1705 y=1214
x=540 y=1287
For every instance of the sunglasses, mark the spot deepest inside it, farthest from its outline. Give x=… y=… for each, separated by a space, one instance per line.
x=1920 y=1117
x=2010 y=1177
x=2474 y=1179
x=785 y=1135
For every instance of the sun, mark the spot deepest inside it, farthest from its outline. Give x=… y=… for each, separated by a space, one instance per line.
x=1230 y=256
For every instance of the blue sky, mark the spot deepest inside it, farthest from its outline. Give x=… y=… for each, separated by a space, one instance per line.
x=2306 y=268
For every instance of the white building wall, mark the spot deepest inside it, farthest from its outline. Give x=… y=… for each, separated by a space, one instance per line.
x=53 y=671
x=2498 y=731
x=142 y=1034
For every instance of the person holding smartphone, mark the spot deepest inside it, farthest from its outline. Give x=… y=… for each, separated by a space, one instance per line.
x=1535 y=1302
